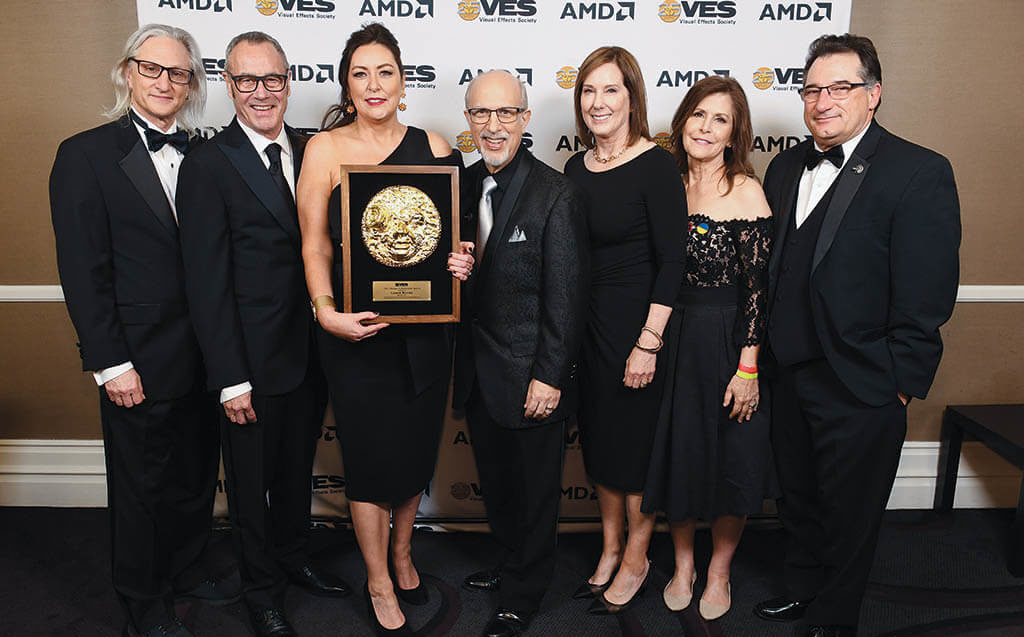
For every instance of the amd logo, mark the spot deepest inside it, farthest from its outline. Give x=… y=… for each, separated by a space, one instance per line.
x=687 y=78
x=196 y=5
x=799 y=11
x=525 y=75
x=618 y=11
x=398 y=8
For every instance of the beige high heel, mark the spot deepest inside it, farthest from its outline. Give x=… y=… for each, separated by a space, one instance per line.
x=711 y=611
x=675 y=603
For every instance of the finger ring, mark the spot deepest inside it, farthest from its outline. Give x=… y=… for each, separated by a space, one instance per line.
x=753 y=405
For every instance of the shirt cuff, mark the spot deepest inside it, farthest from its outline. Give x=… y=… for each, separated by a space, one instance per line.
x=106 y=375
x=234 y=391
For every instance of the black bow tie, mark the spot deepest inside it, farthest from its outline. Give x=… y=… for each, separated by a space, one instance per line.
x=814 y=157
x=155 y=140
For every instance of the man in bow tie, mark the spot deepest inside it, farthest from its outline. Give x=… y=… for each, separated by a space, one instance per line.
x=114 y=218
x=864 y=272
x=247 y=289
x=517 y=345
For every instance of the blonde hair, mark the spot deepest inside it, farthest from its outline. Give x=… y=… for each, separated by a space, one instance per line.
x=190 y=116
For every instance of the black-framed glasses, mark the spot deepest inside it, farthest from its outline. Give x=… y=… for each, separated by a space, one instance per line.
x=275 y=82
x=153 y=70
x=837 y=91
x=506 y=114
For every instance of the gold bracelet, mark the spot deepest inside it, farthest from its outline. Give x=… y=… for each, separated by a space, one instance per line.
x=654 y=349
x=324 y=300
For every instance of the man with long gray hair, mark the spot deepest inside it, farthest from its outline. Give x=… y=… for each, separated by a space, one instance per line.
x=112 y=201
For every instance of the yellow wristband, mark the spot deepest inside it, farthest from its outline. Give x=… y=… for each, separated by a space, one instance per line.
x=746 y=375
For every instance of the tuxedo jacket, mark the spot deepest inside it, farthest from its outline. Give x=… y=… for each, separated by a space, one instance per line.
x=243 y=264
x=119 y=260
x=885 y=269
x=524 y=306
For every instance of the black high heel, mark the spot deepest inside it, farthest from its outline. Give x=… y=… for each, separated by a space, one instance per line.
x=401 y=631
x=590 y=591
x=602 y=606
x=416 y=596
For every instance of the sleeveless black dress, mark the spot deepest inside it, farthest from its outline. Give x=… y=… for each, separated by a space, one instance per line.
x=388 y=392
x=704 y=464
x=635 y=218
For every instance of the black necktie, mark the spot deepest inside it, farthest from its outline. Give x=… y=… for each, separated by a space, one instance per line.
x=273 y=152
x=155 y=140
x=814 y=157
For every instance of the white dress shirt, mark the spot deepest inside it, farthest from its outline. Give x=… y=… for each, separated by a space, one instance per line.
x=167 y=162
x=815 y=182
x=260 y=143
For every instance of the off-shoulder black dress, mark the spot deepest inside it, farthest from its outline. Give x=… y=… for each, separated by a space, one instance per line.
x=703 y=463
x=635 y=221
x=388 y=392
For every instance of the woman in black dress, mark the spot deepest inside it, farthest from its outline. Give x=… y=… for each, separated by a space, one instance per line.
x=636 y=238
x=711 y=455
x=388 y=385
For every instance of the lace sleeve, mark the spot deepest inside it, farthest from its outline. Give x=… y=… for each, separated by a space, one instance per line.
x=753 y=246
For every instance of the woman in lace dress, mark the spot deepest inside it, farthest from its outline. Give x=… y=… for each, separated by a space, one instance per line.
x=711 y=458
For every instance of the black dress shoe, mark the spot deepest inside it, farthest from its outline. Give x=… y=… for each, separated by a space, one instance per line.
x=781 y=609
x=601 y=605
x=401 y=631
x=172 y=628
x=214 y=591
x=270 y=622
x=319 y=582
x=489 y=580
x=832 y=631
x=505 y=623
x=590 y=591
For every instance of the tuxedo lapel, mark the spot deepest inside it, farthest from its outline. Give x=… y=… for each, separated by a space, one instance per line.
x=850 y=179
x=298 y=142
x=137 y=165
x=789 y=185
x=508 y=203
x=242 y=155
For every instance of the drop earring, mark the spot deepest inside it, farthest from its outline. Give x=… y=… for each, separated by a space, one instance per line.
x=401 y=105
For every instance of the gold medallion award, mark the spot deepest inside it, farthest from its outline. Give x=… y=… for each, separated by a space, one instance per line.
x=401 y=226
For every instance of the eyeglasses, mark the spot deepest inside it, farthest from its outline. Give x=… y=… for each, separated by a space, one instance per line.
x=153 y=70
x=274 y=82
x=506 y=114
x=837 y=91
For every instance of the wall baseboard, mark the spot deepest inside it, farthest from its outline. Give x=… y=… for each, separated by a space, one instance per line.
x=965 y=294
x=71 y=473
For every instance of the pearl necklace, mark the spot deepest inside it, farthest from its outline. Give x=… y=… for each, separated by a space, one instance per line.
x=610 y=158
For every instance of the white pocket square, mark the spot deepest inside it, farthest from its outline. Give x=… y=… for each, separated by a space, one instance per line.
x=517 y=235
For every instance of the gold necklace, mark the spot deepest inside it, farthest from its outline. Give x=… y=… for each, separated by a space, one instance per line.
x=613 y=157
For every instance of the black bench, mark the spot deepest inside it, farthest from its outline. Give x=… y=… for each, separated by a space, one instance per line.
x=1001 y=429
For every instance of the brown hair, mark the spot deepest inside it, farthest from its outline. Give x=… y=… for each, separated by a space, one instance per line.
x=373 y=33
x=737 y=156
x=634 y=83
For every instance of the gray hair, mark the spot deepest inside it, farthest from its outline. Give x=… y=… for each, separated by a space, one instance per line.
x=190 y=116
x=525 y=102
x=254 y=37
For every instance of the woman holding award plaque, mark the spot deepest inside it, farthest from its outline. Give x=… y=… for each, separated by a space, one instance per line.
x=388 y=384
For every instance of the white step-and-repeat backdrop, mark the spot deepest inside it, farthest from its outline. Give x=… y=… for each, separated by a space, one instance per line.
x=446 y=42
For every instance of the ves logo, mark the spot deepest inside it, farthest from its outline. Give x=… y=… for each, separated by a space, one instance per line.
x=565 y=77
x=698 y=11
x=498 y=10
x=783 y=79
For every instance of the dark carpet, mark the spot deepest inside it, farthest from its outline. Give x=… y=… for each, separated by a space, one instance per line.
x=933 y=577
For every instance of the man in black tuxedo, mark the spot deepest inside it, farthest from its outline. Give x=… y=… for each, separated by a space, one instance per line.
x=521 y=328
x=864 y=271
x=246 y=287
x=113 y=208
